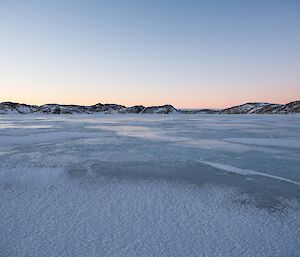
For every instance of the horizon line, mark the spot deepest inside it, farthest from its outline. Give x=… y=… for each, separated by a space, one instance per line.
x=213 y=108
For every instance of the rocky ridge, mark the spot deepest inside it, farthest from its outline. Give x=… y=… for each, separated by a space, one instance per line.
x=247 y=108
x=263 y=108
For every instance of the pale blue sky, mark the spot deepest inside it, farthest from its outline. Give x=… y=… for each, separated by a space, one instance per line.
x=187 y=53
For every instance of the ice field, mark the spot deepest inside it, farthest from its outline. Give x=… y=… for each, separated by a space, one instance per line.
x=149 y=185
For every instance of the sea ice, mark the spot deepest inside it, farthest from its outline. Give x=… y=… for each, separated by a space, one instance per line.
x=149 y=185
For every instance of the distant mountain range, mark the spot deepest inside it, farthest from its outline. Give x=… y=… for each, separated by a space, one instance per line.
x=247 y=108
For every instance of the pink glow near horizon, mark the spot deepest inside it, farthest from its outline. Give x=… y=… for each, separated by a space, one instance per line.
x=214 y=104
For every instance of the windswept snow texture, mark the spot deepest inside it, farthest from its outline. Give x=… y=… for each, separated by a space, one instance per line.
x=153 y=185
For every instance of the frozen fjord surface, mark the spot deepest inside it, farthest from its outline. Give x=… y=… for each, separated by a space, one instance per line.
x=149 y=185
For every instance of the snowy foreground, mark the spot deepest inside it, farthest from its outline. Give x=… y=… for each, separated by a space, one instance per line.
x=149 y=185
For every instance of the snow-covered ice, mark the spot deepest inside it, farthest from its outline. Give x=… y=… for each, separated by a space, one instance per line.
x=294 y=143
x=149 y=185
x=247 y=172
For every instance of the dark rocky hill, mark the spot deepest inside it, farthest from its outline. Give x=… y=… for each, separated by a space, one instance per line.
x=247 y=108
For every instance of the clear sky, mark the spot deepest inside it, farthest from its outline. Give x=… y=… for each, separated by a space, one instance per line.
x=186 y=53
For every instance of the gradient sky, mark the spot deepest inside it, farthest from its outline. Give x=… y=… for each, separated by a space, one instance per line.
x=186 y=53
